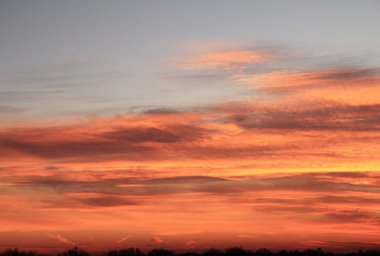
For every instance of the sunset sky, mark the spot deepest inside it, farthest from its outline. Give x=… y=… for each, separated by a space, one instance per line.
x=189 y=124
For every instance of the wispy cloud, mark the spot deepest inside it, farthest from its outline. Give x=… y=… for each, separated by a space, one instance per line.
x=62 y=239
x=123 y=239
x=226 y=60
x=157 y=240
x=285 y=159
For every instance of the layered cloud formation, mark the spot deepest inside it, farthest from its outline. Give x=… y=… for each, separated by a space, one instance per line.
x=292 y=162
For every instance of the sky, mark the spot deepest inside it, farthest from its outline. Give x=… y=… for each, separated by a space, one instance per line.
x=189 y=124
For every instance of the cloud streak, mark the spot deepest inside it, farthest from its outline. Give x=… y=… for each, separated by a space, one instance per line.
x=61 y=239
x=226 y=60
x=296 y=156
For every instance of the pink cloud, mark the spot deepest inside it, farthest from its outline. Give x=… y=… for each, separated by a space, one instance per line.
x=225 y=60
x=123 y=239
x=157 y=240
x=62 y=239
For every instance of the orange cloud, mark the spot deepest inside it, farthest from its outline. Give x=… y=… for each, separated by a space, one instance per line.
x=123 y=239
x=349 y=86
x=220 y=210
x=190 y=244
x=62 y=239
x=299 y=162
x=225 y=60
x=321 y=134
x=157 y=240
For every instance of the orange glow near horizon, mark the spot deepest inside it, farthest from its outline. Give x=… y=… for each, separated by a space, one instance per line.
x=294 y=166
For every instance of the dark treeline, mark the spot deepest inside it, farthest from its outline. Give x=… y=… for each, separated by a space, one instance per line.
x=236 y=251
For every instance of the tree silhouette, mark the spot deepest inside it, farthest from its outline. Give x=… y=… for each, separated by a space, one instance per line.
x=126 y=252
x=213 y=252
x=16 y=252
x=234 y=251
x=160 y=252
x=75 y=252
x=263 y=252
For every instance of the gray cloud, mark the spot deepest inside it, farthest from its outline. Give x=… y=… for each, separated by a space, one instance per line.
x=324 y=117
x=107 y=201
x=204 y=184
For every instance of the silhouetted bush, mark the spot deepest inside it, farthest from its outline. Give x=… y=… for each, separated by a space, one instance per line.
x=126 y=252
x=263 y=252
x=234 y=251
x=16 y=252
x=189 y=254
x=160 y=252
x=75 y=252
x=213 y=252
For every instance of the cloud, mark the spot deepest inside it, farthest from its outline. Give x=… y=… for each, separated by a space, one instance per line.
x=322 y=110
x=124 y=141
x=74 y=149
x=263 y=159
x=157 y=240
x=225 y=60
x=245 y=136
x=301 y=117
x=62 y=239
x=288 y=81
x=185 y=179
x=147 y=138
x=149 y=134
x=161 y=111
x=358 y=86
x=190 y=244
x=107 y=201
x=289 y=76
x=169 y=134
x=289 y=205
x=123 y=239
x=355 y=200
x=126 y=191
x=350 y=216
